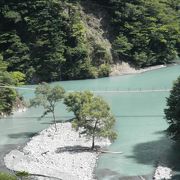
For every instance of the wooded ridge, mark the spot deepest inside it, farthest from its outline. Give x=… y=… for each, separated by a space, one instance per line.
x=48 y=40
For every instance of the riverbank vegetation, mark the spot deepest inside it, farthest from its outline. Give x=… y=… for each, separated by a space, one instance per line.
x=49 y=40
x=9 y=98
x=20 y=175
x=173 y=111
x=48 y=98
x=6 y=176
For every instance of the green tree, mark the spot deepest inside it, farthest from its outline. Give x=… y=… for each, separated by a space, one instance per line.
x=48 y=97
x=93 y=116
x=104 y=70
x=23 y=175
x=18 y=77
x=49 y=41
x=15 y=52
x=76 y=100
x=7 y=99
x=146 y=32
x=7 y=95
x=173 y=111
x=33 y=36
x=3 y=65
x=5 y=176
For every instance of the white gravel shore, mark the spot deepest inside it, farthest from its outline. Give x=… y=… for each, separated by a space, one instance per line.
x=124 y=68
x=56 y=154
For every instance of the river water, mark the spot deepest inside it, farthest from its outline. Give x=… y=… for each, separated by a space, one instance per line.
x=140 y=124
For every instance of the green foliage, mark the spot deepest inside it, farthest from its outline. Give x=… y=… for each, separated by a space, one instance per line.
x=14 y=51
x=32 y=36
x=100 y=55
x=173 y=111
x=5 y=176
x=18 y=77
x=78 y=65
x=44 y=41
x=22 y=175
x=47 y=40
x=104 y=70
x=122 y=47
x=7 y=99
x=48 y=98
x=93 y=117
x=7 y=95
x=3 y=65
x=79 y=31
x=146 y=32
x=75 y=101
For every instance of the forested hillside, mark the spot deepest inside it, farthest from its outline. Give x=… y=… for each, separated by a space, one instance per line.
x=146 y=32
x=48 y=40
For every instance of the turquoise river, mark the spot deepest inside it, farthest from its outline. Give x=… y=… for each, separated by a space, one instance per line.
x=140 y=124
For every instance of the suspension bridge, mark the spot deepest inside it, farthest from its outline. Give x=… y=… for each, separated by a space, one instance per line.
x=100 y=91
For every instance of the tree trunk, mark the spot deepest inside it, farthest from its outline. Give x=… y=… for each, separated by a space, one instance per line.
x=93 y=139
x=54 y=121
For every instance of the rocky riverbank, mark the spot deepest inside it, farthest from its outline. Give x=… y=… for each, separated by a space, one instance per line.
x=124 y=68
x=18 y=106
x=62 y=154
x=162 y=172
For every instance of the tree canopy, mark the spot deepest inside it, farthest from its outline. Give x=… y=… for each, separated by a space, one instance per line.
x=47 y=39
x=48 y=97
x=146 y=32
x=92 y=115
x=7 y=95
x=76 y=100
x=6 y=176
x=173 y=111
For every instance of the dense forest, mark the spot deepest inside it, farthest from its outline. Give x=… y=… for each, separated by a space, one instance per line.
x=48 y=40
x=146 y=32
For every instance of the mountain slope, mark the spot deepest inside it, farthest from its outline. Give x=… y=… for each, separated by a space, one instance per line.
x=50 y=40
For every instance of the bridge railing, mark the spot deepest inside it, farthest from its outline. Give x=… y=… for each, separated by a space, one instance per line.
x=100 y=91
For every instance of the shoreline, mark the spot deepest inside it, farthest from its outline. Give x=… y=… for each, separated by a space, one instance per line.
x=62 y=154
x=124 y=68
x=17 y=110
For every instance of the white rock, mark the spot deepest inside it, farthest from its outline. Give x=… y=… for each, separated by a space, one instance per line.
x=162 y=173
x=40 y=155
x=124 y=68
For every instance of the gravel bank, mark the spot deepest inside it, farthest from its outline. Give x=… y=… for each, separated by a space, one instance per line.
x=62 y=154
x=124 y=68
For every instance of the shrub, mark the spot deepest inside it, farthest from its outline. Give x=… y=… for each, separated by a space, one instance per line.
x=104 y=70
x=5 y=176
